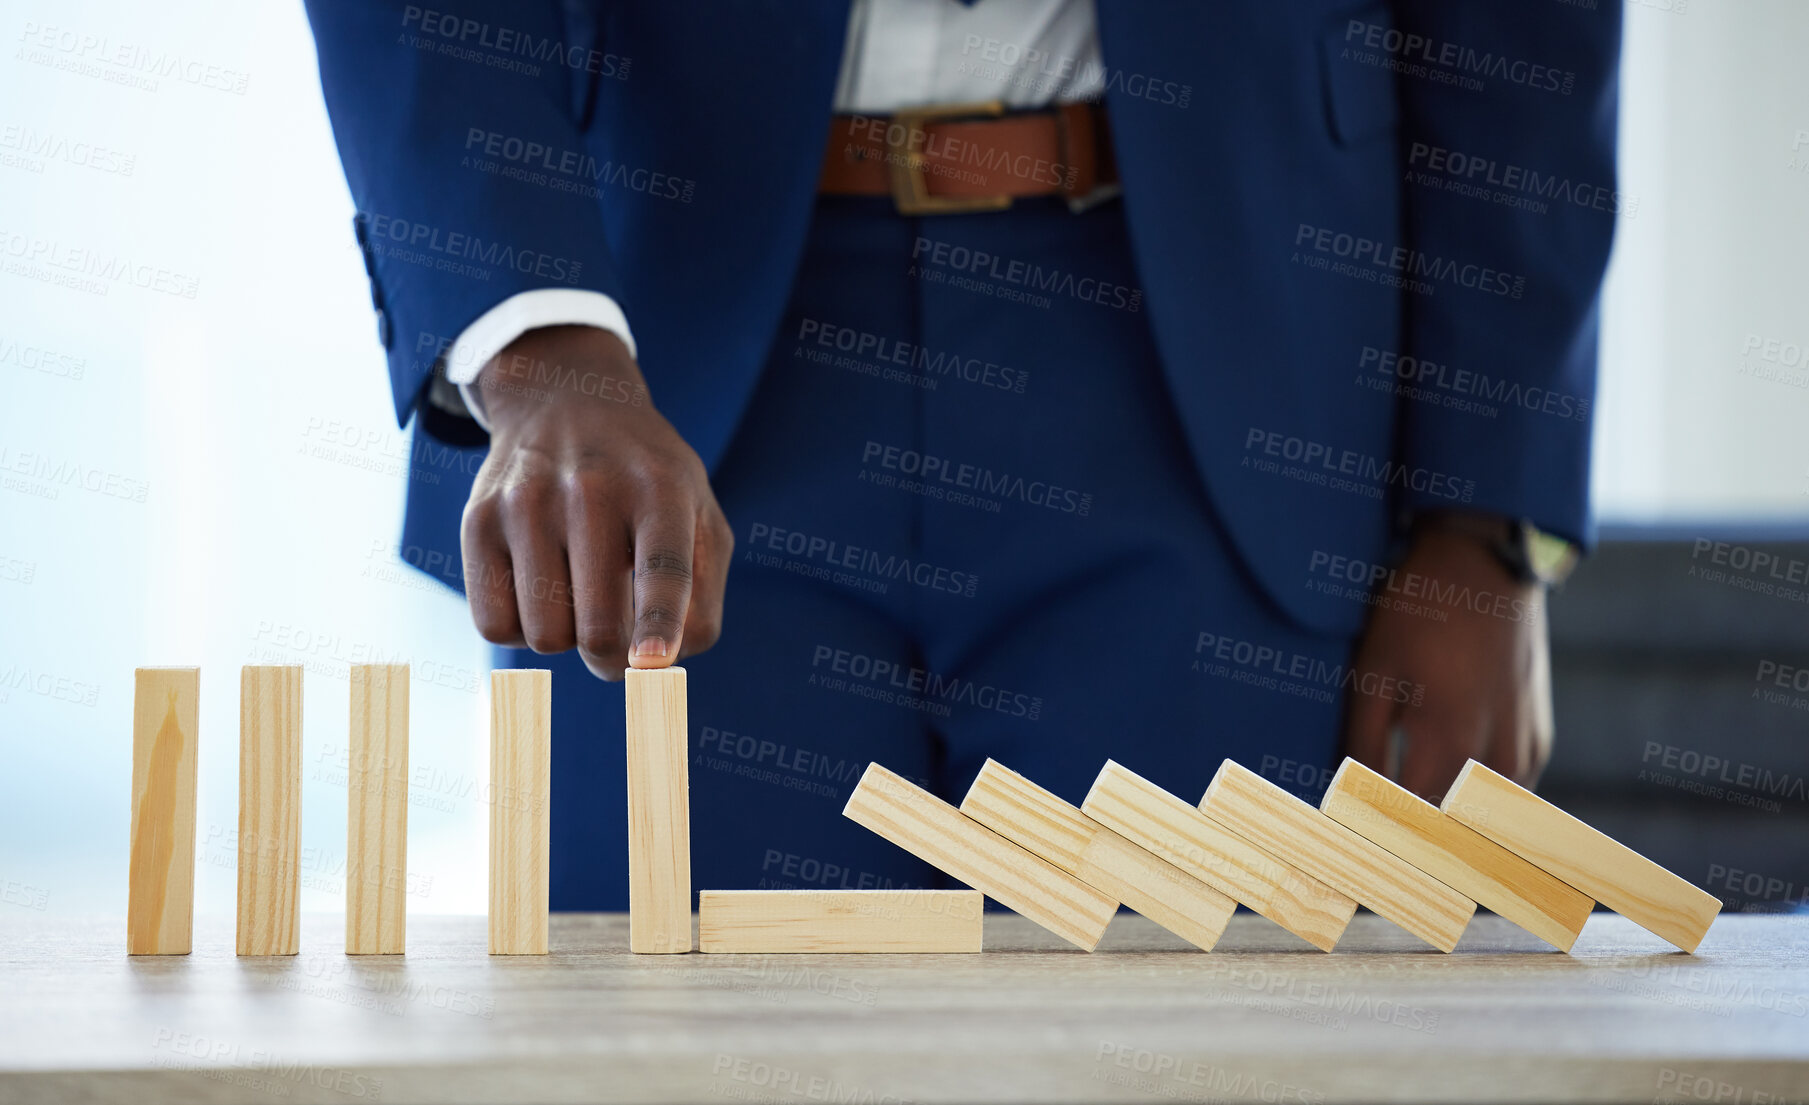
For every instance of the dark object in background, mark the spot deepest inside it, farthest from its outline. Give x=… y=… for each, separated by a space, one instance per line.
x=1680 y=666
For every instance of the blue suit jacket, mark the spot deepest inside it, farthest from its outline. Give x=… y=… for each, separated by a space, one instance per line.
x=1268 y=151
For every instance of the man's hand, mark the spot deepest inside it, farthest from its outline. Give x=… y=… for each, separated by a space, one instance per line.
x=585 y=484
x=1482 y=675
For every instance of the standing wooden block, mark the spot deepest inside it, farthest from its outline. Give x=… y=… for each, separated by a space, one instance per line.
x=270 y=729
x=938 y=833
x=160 y=877
x=785 y=921
x=376 y=880
x=659 y=812
x=521 y=784
x=1026 y=814
x=1265 y=814
x=1591 y=861
x=1153 y=819
x=1392 y=816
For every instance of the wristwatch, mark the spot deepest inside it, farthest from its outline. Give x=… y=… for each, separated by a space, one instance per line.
x=1531 y=554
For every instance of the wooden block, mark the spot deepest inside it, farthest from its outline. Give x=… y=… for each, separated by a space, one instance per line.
x=160 y=877
x=659 y=812
x=1270 y=817
x=938 y=833
x=786 y=921
x=521 y=783
x=376 y=880
x=1026 y=814
x=1392 y=816
x=1157 y=821
x=270 y=733
x=1591 y=861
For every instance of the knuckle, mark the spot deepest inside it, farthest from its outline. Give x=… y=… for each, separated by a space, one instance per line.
x=491 y=626
x=704 y=631
x=603 y=641
x=522 y=495
x=656 y=615
x=547 y=641
x=663 y=565
x=586 y=484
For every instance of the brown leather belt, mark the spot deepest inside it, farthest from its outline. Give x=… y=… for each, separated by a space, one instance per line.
x=971 y=157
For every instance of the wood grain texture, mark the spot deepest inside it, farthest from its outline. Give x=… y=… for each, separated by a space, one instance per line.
x=1589 y=860
x=659 y=812
x=1028 y=815
x=1150 y=817
x=1392 y=816
x=941 y=835
x=270 y=736
x=160 y=873
x=823 y=921
x=376 y=880
x=521 y=785
x=1146 y=1019
x=1265 y=814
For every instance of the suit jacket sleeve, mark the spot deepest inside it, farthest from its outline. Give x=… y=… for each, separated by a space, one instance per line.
x=440 y=116
x=1513 y=184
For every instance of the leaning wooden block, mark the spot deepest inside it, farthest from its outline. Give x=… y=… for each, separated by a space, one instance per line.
x=1392 y=816
x=1026 y=814
x=1150 y=817
x=270 y=722
x=938 y=833
x=1591 y=861
x=1265 y=814
x=160 y=876
x=376 y=879
x=521 y=783
x=659 y=812
x=826 y=921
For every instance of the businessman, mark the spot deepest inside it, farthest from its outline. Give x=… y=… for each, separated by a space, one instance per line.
x=1048 y=380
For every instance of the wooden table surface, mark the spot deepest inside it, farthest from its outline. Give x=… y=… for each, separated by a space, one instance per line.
x=1031 y=1019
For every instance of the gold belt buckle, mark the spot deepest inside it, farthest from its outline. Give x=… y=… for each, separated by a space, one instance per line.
x=910 y=188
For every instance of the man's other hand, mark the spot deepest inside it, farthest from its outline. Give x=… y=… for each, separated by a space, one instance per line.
x=1471 y=639
x=591 y=524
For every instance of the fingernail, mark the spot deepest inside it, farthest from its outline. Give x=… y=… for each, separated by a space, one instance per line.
x=648 y=648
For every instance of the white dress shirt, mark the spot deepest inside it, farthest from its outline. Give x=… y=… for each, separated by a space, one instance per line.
x=898 y=54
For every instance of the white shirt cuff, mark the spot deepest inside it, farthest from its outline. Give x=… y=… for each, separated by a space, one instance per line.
x=493 y=330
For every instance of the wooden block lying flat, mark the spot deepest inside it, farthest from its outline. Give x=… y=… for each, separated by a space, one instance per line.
x=659 y=812
x=1265 y=814
x=521 y=783
x=160 y=876
x=823 y=921
x=1026 y=814
x=1392 y=816
x=938 y=833
x=1591 y=861
x=270 y=726
x=1150 y=817
x=376 y=879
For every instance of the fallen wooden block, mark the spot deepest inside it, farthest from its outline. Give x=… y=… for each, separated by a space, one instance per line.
x=938 y=833
x=1265 y=814
x=521 y=782
x=827 y=921
x=1026 y=814
x=160 y=875
x=1589 y=860
x=659 y=812
x=1150 y=817
x=1392 y=816
x=270 y=725
x=376 y=879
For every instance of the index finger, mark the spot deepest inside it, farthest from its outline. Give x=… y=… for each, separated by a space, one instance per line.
x=663 y=544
